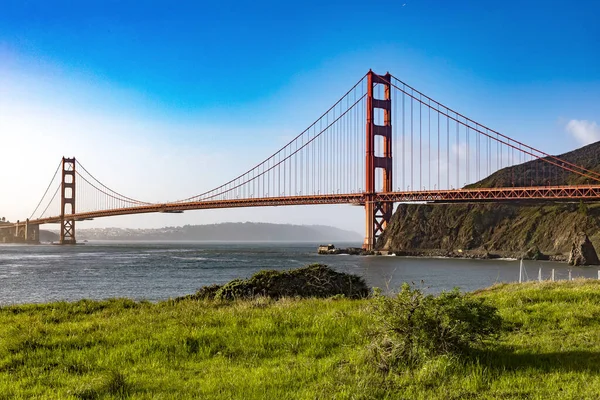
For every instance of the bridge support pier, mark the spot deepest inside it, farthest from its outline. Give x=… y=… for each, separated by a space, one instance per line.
x=378 y=214
x=32 y=233
x=18 y=230
x=67 y=202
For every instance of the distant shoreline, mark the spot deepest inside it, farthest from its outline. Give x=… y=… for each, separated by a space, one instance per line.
x=225 y=232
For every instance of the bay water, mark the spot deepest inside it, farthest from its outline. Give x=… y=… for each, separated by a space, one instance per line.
x=157 y=271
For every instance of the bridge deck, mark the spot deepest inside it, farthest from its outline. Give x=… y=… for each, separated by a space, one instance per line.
x=543 y=193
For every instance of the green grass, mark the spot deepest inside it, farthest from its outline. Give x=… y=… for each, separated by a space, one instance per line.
x=292 y=349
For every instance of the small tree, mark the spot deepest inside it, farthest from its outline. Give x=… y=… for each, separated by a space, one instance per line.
x=414 y=327
x=582 y=208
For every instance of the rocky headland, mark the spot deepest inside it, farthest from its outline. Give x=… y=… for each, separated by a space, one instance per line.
x=567 y=231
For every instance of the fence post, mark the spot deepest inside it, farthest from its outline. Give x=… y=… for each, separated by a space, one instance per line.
x=521 y=272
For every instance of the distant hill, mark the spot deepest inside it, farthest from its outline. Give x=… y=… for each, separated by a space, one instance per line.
x=49 y=236
x=234 y=232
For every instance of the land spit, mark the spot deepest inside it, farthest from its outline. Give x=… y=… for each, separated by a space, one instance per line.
x=575 y=257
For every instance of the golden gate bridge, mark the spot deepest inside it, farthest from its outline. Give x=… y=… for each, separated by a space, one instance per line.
x=382 y=142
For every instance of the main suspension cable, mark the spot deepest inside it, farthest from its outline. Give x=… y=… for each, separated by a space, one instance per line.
x=46 y=192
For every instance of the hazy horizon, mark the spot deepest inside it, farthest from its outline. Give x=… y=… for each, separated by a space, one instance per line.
x=216 y=223
x=221 y=232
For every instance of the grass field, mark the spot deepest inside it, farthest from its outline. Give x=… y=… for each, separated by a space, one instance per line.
x=288 y=349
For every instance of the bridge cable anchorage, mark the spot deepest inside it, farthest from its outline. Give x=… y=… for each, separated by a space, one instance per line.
x=532 y=150
x=225 y=187
x=46 y=192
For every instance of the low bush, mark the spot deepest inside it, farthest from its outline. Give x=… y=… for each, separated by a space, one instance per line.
x=413 y=327
x=315 y=280
x=204 y=293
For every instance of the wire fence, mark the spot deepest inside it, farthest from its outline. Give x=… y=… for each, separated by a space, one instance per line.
x=542 y=274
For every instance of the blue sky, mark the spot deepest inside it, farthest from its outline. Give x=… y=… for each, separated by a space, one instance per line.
x=187 y=79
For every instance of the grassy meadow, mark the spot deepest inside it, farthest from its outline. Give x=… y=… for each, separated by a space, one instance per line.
x=549 y=348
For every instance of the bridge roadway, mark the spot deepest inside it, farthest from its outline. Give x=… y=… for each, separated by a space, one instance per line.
x=535 y=193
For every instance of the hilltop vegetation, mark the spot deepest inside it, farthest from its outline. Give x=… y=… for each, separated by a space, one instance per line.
x=549 y=347
x=502 y=228
x=540 y=173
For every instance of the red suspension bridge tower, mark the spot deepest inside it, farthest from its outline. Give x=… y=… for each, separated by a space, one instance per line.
x=378 y=214
x=67 y=203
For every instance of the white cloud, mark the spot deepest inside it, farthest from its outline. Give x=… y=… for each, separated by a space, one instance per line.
x=585 y=132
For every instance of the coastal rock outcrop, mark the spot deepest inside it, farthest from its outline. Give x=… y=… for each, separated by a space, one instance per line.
x=533 y=253
x=583 y=251
x=504 y=229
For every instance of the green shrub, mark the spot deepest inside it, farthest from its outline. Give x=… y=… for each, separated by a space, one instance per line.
x=413 y=327
x=236 y=289
x=206 y=292
x=583 y=210
x=315 y=280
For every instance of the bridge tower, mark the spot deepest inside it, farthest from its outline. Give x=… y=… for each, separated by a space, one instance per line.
x=378 y=214
x=67 y=202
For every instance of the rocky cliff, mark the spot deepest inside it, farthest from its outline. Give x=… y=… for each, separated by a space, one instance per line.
x=505 y=229
x=501 y=229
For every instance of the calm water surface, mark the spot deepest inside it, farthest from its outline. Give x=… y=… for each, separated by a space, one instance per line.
x=157 y=271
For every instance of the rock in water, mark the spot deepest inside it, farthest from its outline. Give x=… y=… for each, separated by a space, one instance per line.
x=534 y=253
x=583 y=252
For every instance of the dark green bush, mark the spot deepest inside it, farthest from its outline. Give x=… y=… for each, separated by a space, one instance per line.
x=206 y=292
x=315 y=280
x=583 y=210
x=414 y=327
